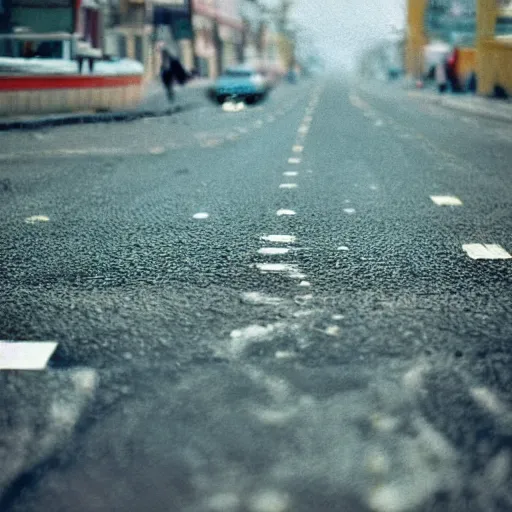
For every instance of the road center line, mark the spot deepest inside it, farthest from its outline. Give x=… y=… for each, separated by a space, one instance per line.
x=446 y=200
x=294 y=160
x=273 y=251
x=284 y=239
x=37 y=218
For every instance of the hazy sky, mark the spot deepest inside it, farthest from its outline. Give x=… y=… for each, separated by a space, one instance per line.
x=341 y=28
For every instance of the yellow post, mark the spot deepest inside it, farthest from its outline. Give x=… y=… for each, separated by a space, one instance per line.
x=416 y=38
x=487 y=13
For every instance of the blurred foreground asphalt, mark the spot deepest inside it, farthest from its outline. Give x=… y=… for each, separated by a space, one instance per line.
x=262 y=310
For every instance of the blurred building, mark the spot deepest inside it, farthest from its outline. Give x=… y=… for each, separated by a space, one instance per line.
x=218 y=35
x=261 y=38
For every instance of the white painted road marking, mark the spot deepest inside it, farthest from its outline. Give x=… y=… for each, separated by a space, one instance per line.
x=294 y=161
x=273 y=251
x=298 y=148
x=486 y=252
x=290 y=173
x=260 y=299
x=282 y=212
x=446 y=200
x=281 y=268
x=26 y=355
x=343 y=248
x=349 y=211
x=159 y=150
x=288 y=185
x=201 y=215
x=37 y=218
x=284 y=239
x=303 y=129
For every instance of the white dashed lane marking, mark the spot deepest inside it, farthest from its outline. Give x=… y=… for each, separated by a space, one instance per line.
x=282 y=212
x=273 y=251
x=26 y=355
x=486 y=252
x=290 y=269
x=446 y=200
x=349 y=211
x=37 y=218
x=159 y=150
x=294 y=160
x=201 y=216
x=298 y=148
x=260 y=299
x=288 y=185
x=283 y=239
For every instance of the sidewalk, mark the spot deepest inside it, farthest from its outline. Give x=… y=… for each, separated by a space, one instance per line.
x=500 y=110
x=154 y=104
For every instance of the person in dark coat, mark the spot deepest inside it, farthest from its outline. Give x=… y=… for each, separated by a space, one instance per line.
x=172 y=71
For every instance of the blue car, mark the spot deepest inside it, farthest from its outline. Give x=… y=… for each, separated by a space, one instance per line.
x=241 y=83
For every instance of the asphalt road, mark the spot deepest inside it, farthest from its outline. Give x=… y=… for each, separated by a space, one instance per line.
x=260 y=311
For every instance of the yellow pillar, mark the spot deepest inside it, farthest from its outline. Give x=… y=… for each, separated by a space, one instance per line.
x=416 y=37
x=487 y=13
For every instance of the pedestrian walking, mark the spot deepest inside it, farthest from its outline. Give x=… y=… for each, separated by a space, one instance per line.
x=441 y=77
x=172 y=71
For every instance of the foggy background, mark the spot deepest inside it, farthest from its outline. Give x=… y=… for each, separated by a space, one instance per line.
x=341 y=29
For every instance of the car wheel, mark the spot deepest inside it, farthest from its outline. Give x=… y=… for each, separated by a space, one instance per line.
x=221 y=99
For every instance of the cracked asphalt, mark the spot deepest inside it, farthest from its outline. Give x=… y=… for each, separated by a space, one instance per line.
x=260 y=311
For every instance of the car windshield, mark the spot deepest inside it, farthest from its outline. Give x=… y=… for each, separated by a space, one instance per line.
x=256 y=256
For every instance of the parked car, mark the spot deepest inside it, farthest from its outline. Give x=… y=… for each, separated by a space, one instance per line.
x=240 y=82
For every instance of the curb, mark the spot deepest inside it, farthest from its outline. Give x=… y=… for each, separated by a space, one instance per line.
x=460 y=107
x=74 y=119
